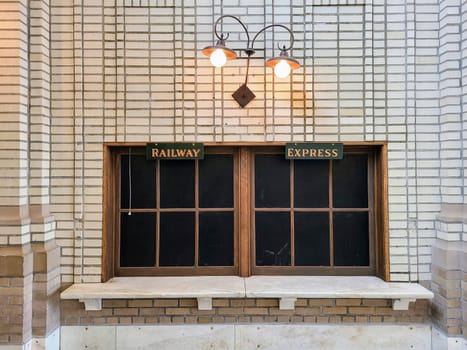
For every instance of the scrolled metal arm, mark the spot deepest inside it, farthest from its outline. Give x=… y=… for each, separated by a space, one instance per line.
x=272 y=26
x=250 y=48
x=222 y=37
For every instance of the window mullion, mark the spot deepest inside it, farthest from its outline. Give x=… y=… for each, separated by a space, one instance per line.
x=158 y=214
x=331 y=219
x=245 y=210
x=196 y=213
x=292 y=214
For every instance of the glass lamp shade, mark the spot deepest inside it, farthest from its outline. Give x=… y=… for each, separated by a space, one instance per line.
x=282 y=69
x=219 y=53
x=283 y=64
x=218 y=58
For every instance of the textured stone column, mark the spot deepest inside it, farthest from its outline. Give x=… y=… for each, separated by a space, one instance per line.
x=449 y=272
x=448 y=260
x=46 y=296
x=46 y=282
x=16 y=258
x=16 y=274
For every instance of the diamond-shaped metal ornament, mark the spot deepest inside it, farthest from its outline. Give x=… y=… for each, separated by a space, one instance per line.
x=243 y=95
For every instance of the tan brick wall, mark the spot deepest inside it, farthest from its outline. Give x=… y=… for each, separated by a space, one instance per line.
x=46 y=289
x=16 y=279
x=447 y=310
x=449 y=266
x=185 y=311
x=464 y=302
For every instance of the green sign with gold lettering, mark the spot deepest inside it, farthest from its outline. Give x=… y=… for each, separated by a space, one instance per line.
x=314 y=151
x=178 y=151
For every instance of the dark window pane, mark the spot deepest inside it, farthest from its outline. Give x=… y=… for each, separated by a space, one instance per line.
x=350 y=181
x=216 y=239
x=311 y=187
x=351 y=244
x=177 y=183
x=272 y=239
x=143 y=182
x=311 y=239
x=216 y=181
x=177 y=239
x=272 y=181
x=137 y=239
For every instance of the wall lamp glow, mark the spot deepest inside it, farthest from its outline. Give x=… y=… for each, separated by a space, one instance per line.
x=219 y=54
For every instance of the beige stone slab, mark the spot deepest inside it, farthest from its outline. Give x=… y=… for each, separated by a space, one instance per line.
x=159 y=287
x=204 y=288
x=286 y=288
x=366 y=287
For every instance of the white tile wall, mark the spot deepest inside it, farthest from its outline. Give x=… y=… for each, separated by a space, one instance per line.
x=14 y=102
x=130 y=70
x=463 y=67
x=39 y=119
x=358 y=82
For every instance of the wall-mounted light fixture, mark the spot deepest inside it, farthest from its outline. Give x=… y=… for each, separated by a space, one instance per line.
x=219 y=54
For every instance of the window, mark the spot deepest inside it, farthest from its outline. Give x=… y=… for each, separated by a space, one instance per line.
x=245 y=210
x=313 y=216
x=175 y=216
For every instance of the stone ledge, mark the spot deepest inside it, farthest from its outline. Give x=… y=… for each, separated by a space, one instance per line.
x=335 y=287
x=285 y=288
x=203 y=288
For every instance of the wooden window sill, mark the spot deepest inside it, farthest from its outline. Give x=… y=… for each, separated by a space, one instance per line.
x=285 y=288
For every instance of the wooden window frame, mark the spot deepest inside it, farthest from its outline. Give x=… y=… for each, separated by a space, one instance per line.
x=315 y=270
x=244 y=256
x=112 y=201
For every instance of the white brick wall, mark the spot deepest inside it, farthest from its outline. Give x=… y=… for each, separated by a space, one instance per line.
x=463 y=49
x=14 y=122
x=127 y=70
x=14 y=102
x=450 y=101
x=62 y=129
x=39 y=155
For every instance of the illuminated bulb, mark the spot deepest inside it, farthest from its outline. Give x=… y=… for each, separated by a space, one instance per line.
x=218 y=58
x=282 y=69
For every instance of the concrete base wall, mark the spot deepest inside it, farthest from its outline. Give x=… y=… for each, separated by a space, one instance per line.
x=245 y=337
x=440 y=341
x=50 y=342
x=27 y=346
